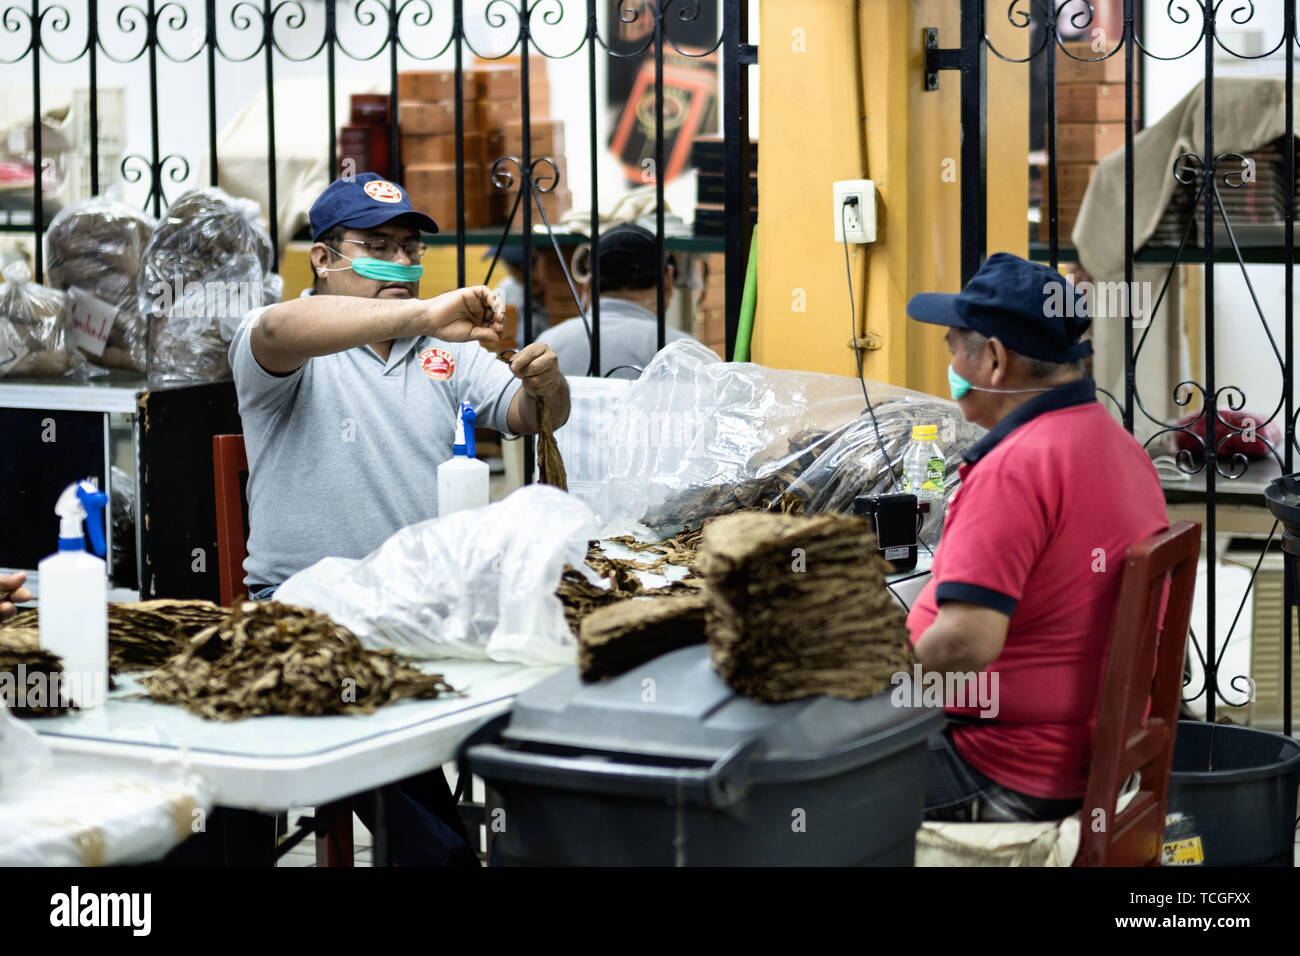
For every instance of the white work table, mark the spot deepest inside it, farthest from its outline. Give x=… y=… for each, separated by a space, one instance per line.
x=274 y=763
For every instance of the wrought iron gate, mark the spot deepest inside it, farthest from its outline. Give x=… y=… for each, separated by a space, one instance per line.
x=1201 y=178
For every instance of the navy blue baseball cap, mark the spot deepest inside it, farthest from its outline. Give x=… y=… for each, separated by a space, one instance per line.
x=1030 y=308
x=361 y=202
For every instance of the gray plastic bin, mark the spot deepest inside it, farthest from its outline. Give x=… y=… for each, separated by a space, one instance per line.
x=667 y=765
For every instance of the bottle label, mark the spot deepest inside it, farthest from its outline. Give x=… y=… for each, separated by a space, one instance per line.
x=935 y=473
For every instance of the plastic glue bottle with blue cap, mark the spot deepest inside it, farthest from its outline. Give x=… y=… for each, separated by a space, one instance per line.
x=74 y=597
x=462 y=479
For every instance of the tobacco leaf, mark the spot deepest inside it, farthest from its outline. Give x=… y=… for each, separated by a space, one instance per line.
x=617 y=637
x=550 y=466
x=21 y=657
x=273 y=658
x=142 y=634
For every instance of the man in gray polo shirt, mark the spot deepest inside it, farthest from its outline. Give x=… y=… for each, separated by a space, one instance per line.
x=349 y=398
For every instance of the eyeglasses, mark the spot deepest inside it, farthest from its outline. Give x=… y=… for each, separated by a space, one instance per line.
x=382 y=248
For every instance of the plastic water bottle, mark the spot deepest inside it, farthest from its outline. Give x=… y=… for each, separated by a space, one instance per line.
x=924 y=470
x=74 y=598
x=462 y=479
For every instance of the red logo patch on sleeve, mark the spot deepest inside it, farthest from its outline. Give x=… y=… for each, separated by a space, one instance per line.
x=437 y=364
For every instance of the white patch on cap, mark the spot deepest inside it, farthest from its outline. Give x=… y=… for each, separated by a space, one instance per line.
x=382 y=190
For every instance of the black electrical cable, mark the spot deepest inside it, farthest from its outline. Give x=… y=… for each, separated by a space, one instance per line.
x=857 y=353
x=853 y=335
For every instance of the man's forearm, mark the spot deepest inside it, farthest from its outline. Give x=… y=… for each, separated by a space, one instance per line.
x=292 y=332
x=522 y=417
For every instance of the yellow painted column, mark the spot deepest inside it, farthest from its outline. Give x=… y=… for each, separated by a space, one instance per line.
x=812 y=134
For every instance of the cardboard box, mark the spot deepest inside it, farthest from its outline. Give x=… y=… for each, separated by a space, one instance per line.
x=710 y=325
x=429 y=86
x=496 y=82
x=1083 y=142
x=1065 y=219
x=426 y=119
x=442 y=207
x=1092 y=103
x=435 y=181
x=496 y=114
x=1085 y=67
x=422 y=150
x=546 y=137
x=1071 y=182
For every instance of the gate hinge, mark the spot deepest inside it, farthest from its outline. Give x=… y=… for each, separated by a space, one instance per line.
x=937 y=59
x=871 y=342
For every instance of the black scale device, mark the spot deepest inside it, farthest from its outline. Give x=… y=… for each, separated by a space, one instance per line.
x=896 y=520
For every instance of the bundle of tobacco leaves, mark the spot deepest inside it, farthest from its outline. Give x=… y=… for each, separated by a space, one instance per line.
x=272 y=658
x=798 y=606
x=617 y=637
x=22 y=659
x=763 y=477
x=142 y=634
x=550 y=466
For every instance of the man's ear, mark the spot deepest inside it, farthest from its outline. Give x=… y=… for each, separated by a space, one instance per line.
x=999 y=353
x=320 y=256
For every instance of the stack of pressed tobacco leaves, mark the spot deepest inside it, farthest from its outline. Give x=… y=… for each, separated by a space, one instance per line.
x=21 y=658
x=618 y=637
x=273 y=658
x=798 y=606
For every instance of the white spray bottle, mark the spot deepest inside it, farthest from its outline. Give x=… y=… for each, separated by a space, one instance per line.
x=462 y=479
x=74 y=597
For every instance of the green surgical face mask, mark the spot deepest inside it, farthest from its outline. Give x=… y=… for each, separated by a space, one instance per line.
x=959 y=388
x=381 y=270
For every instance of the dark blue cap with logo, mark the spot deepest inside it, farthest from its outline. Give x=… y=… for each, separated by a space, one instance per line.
x=1030 y=308
x=362 y=202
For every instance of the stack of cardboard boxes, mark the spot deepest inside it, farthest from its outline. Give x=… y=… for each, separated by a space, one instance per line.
x=1089 y=127
x=710 y=185
x=493 y=111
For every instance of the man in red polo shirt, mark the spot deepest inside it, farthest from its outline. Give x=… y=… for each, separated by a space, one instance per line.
x=1027 y=573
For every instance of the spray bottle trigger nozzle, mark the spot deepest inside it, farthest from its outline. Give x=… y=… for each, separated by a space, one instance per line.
x=93 y=502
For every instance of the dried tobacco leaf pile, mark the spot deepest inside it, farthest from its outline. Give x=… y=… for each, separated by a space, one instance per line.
x=142 y=634
x=273 y=658
x=798 y=606
x=21 y=657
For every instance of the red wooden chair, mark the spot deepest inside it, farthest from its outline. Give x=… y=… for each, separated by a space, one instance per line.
x=229 y=461
x=1138 y=707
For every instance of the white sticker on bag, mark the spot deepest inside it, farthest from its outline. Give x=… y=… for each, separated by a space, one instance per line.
x=89 y=321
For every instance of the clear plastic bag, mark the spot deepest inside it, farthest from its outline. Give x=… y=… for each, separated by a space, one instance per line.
x=33 y=333
x=696 y=437
x=476 y=584
x=96 y=246
x=208 y=264
x=22 y=752
x=854 y=464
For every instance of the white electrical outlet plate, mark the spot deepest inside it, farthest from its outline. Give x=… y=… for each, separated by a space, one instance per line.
x=857 y=222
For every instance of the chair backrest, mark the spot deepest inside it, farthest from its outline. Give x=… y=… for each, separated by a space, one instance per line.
x=229 y=461
x=1137 y=715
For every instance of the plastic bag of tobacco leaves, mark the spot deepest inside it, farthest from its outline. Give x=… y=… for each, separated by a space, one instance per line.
x=207 y=265
x=34 y=339
x=95 y=246
x=476 y=584
x=854 y=465
x=695 y=437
